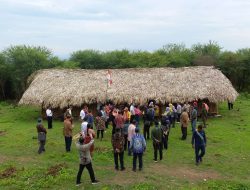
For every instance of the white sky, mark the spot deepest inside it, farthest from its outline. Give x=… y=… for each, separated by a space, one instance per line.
x=65 y=26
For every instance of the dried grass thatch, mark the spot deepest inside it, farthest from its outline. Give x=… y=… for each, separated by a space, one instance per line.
x=63 y=87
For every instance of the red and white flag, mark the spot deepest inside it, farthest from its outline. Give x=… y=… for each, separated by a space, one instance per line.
x=109 y=77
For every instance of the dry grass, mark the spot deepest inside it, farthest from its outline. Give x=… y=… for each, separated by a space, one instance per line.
x=63 y=87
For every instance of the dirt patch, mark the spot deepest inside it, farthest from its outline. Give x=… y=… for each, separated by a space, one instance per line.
x=102 y=149
x=25 y=159
x=158 y=169
x=3 y=159
x=126 y=177
x=217 y=155
x=54 y=170
x=2 y=133
x=189 y=174
x=8 y=172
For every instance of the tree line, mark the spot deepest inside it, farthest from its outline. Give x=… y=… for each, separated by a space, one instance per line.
x=17 y=63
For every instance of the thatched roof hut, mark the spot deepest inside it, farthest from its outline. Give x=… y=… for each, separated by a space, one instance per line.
x=63 y=87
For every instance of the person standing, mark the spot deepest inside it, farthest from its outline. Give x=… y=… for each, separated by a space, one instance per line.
x=193 y=117
x=199 y=142
x=49 y=115
x=118 y=148
x=85 y=160
x=132 y=112
x=126 y=114
x=69 y=112
x=41 y=135
x=165 y=126
x=173 y=114
x=157 y=112
x=90 y=118
x=184 y=124
x=186 y=107
x=137 y=115
x=107 y=115
x=119 y=120
x=150 y=114
x=100 y=124
x=230 y=105
x=84 y=125
x=82 y=114
x=137 y=146
x=131 y=132
x=156 y=135
x=178 y=110
x=67 y=132
x=149 y=119
x=204 y=115
x=112 y=117
x=125 y=133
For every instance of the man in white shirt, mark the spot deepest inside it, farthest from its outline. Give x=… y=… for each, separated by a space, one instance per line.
x=84 y=125
x=82 y=114
x=49 y=117
x=179 y=110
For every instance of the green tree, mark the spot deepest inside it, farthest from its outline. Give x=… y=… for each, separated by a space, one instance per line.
x=206 y=54
x=243 y=69
x=23 y=61
x=176 y=55
x=4 y=75
x=228 y=63
x=88 y=59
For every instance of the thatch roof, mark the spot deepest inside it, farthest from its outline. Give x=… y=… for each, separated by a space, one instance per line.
x=63 y=87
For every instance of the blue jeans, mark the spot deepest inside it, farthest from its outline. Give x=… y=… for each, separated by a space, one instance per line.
x=199 y=148
x=135 y=155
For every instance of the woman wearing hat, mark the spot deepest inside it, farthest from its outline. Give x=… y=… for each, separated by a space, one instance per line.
x=41 y=135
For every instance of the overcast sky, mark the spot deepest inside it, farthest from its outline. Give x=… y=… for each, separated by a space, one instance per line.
x=65 y=26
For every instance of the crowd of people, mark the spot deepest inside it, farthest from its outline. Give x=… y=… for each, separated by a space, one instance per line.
x=126 y=128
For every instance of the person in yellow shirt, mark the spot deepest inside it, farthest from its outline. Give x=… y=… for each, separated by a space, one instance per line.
x=126 y=114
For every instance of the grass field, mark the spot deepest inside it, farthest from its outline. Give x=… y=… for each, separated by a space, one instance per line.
x=226 y=164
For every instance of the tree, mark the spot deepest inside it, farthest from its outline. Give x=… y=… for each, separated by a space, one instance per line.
x=206 y=54
x=176 y=55
x=243 y=69
x=4 y=75
x=88 y=59
x=23 y=61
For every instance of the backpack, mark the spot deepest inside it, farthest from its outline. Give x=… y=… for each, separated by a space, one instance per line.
x=150 y=114
x=137 y=144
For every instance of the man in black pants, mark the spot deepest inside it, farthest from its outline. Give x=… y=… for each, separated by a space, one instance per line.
x=156 y=135
x=68 y=132
x=199 y=142
x=138 y=146
x=165 y=126
x=118 y=148
x=146 y=129
x=230 y=105
x=149 y=120
x=85 y=160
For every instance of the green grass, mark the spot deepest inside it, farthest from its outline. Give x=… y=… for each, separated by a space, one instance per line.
x=226 y=164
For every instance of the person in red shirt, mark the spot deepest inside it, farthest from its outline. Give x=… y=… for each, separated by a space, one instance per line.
x=119 y=120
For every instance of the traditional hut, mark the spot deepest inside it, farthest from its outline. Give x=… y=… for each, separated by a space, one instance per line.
x=60 y=88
